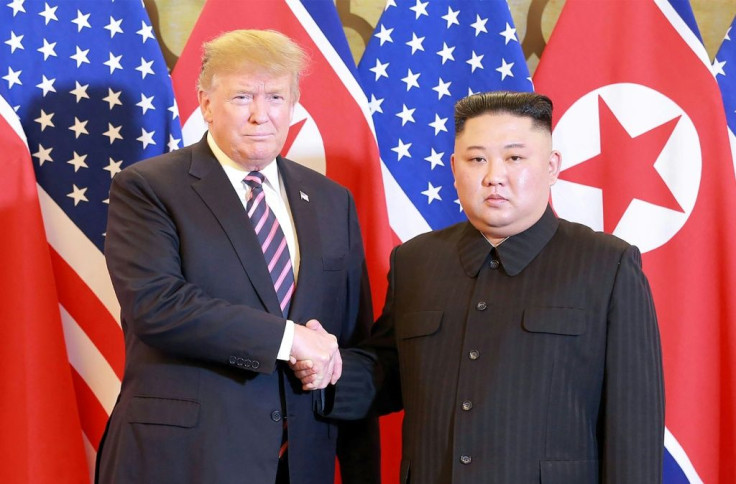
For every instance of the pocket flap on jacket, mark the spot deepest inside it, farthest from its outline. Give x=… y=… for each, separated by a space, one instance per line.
x=568 y=321
x=422 y=323
x=164 y=411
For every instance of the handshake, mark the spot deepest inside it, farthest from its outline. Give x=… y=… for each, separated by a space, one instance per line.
x=315 y=356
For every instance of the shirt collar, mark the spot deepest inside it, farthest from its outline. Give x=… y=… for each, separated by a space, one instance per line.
x=235 y=172
x=515 y=253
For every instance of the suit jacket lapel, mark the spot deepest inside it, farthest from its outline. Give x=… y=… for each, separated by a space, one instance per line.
x=306 y=225
x=215 y=189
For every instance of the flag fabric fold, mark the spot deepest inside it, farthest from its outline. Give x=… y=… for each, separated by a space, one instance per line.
x=645 y=155
x=92 y=91
x=41 y=441
x=421 y=59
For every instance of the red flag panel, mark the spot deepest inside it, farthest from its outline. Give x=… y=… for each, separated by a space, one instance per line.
x=646 y=156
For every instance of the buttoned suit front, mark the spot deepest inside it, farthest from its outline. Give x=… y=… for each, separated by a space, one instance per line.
x=203 y=397
x=537 y=361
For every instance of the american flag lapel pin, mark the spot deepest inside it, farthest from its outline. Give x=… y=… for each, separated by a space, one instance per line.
x=303 y=196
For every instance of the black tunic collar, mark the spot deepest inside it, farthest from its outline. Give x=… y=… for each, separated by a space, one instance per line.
x=515 y=253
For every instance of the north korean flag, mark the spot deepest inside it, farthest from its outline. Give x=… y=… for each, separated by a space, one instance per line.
x=646 y=156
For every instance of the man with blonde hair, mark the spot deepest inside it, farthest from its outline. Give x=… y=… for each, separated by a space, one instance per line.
x=219 y=254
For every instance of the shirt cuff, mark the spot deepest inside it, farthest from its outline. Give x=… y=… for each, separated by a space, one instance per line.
x=286 y=342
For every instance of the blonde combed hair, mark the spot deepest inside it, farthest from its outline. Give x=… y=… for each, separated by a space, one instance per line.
x=266 y=51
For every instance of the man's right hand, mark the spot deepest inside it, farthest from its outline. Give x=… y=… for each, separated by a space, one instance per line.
x=315 y=357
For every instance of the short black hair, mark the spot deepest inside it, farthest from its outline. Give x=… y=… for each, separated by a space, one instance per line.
x=538 y=107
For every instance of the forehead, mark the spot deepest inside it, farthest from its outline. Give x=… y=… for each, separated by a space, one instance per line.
x=250 y=80
x=499 y=130
x=499 y=124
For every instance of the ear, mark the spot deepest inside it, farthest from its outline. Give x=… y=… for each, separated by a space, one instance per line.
x=452 y=167
x=204 y=105
x=554 y=165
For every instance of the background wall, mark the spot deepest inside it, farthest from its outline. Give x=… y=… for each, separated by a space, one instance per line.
x=173 y=21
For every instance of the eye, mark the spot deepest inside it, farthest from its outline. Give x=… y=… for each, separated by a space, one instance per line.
x=241 y=99
x=515 y=158
x=478 y=159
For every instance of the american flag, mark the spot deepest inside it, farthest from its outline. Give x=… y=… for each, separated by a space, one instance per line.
x=422 y=58
x=724 y=68
x=92 y=90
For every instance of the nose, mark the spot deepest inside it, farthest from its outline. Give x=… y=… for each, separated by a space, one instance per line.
x=258 y=111
x=495 y=172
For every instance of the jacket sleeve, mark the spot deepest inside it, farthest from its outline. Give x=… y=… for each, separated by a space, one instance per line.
x=370 y=382
x=633 y=394
x=358 y=443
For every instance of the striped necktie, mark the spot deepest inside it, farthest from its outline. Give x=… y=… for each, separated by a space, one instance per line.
x=271 y=237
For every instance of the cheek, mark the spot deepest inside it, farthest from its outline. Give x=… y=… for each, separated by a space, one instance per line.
x=527 y=179
x=465 y=184
x=280 y=115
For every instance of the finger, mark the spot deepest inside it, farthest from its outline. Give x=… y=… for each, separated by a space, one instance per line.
x=337 y=372
x=316 y=326
x=302 y=365
x=327 y=377
x=305 y=376
x=313 y=324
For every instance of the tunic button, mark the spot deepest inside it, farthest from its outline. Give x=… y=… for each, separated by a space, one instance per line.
x=467 y=405
x=474 y=354
x=494 y=264
x=276 y=416
x=481 y=306
x=465 y=459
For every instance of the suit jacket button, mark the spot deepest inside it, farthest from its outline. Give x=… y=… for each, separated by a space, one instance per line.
x=276 y=416
x=255 y=364
x=481 y=306
x=247 y=363
x=232 y=360
x=494 y=264
x=467 y=405
x=240 y=362
x=465 y=459
x=474 y=354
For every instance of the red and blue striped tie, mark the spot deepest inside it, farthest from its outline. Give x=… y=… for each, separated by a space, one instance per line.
x=271 y=237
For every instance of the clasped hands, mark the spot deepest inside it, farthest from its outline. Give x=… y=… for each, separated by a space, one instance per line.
x=315 y=356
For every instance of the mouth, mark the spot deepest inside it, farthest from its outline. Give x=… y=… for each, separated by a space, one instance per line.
x=259 y=136
x=495 y=200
